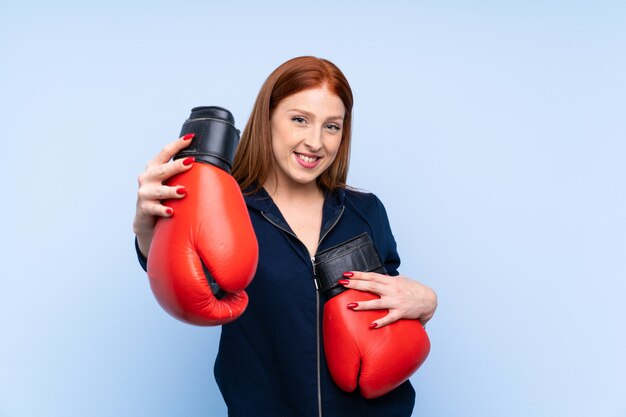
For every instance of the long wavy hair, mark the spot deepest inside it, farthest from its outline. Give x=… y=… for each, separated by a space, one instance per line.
x=254 y=160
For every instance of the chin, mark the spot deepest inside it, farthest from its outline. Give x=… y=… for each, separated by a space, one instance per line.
x=303 y=179
x=306 y=181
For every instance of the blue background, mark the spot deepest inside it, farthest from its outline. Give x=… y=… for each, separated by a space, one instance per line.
x=493 y=131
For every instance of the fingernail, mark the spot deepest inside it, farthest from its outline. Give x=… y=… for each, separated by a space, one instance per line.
x=169 y=211
x=348 y=274
x=189 y=136
x=343 y=282
x=189 y=160
x=181 y=191
x=373 y=325
x=353 y=305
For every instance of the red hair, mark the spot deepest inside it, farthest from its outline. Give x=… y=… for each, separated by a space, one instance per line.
x=254 y=159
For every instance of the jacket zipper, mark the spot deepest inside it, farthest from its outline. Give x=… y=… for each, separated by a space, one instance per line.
x=317 y=318
x=317 y=302
x=317 y=340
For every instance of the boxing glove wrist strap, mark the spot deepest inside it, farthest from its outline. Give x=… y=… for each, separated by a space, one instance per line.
x=356 y=254
x=216 y=137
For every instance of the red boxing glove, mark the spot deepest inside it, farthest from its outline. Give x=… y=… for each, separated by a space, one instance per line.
x=203 y=257
x=374 y=360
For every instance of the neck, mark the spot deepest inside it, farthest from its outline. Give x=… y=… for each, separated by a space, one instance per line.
x=297 y=193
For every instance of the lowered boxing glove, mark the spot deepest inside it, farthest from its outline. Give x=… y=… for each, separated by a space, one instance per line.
x=203 y=257
x=374 y=360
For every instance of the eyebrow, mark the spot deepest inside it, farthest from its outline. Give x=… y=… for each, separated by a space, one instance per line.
x=309 y=114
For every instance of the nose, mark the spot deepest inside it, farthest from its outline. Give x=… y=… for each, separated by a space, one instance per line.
x=313 y=140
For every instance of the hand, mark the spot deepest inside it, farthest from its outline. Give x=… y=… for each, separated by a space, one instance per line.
x=403 y=297
x=152 y=191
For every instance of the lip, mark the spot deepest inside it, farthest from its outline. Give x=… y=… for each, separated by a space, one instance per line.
x=304 y=164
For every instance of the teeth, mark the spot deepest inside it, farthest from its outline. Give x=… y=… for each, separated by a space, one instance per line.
x=306 y=158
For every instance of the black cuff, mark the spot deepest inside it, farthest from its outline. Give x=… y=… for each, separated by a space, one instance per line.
x=356 y=254
x=143 y=261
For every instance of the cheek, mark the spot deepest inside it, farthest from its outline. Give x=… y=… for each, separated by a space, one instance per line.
x=334 y=148
x=282 y=138
x=277 y=141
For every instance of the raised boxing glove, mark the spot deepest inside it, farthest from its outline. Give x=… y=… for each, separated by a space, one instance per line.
x=203 y=257
x=374 y=360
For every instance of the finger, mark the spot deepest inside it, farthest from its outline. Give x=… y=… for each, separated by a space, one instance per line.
x=161 y=192
x=171 y=149
x=377 y=304
x=384 y=321
x=369 y=286
x=165 y=171
x=366 y=276
x=155 y=209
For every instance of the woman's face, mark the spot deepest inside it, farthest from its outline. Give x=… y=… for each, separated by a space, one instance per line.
x=306 y=133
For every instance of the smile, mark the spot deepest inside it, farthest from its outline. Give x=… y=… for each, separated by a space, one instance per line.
x=307 y=161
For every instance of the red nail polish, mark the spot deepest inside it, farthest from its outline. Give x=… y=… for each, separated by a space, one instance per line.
x=181 y=191
x=189 y=136
x=348 y=274
x=169 y=211
x=343 y=282
x=353 y=305
x=373 y=326
x=189 y=160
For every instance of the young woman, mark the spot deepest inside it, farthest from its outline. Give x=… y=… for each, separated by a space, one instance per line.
x=291 y=165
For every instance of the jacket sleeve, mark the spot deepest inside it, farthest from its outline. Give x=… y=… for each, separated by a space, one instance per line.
x=390 y=253
x=143 y=261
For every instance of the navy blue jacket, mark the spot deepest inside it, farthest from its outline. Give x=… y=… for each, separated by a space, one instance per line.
x=271 y=360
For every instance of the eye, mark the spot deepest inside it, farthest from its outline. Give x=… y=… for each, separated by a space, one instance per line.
x=334 y=127
x=298 y=120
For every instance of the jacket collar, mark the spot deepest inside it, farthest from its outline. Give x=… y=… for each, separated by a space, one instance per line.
x=332 y=210
x=261 y=200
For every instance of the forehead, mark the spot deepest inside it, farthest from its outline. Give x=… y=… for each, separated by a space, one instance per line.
x=320 y=101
